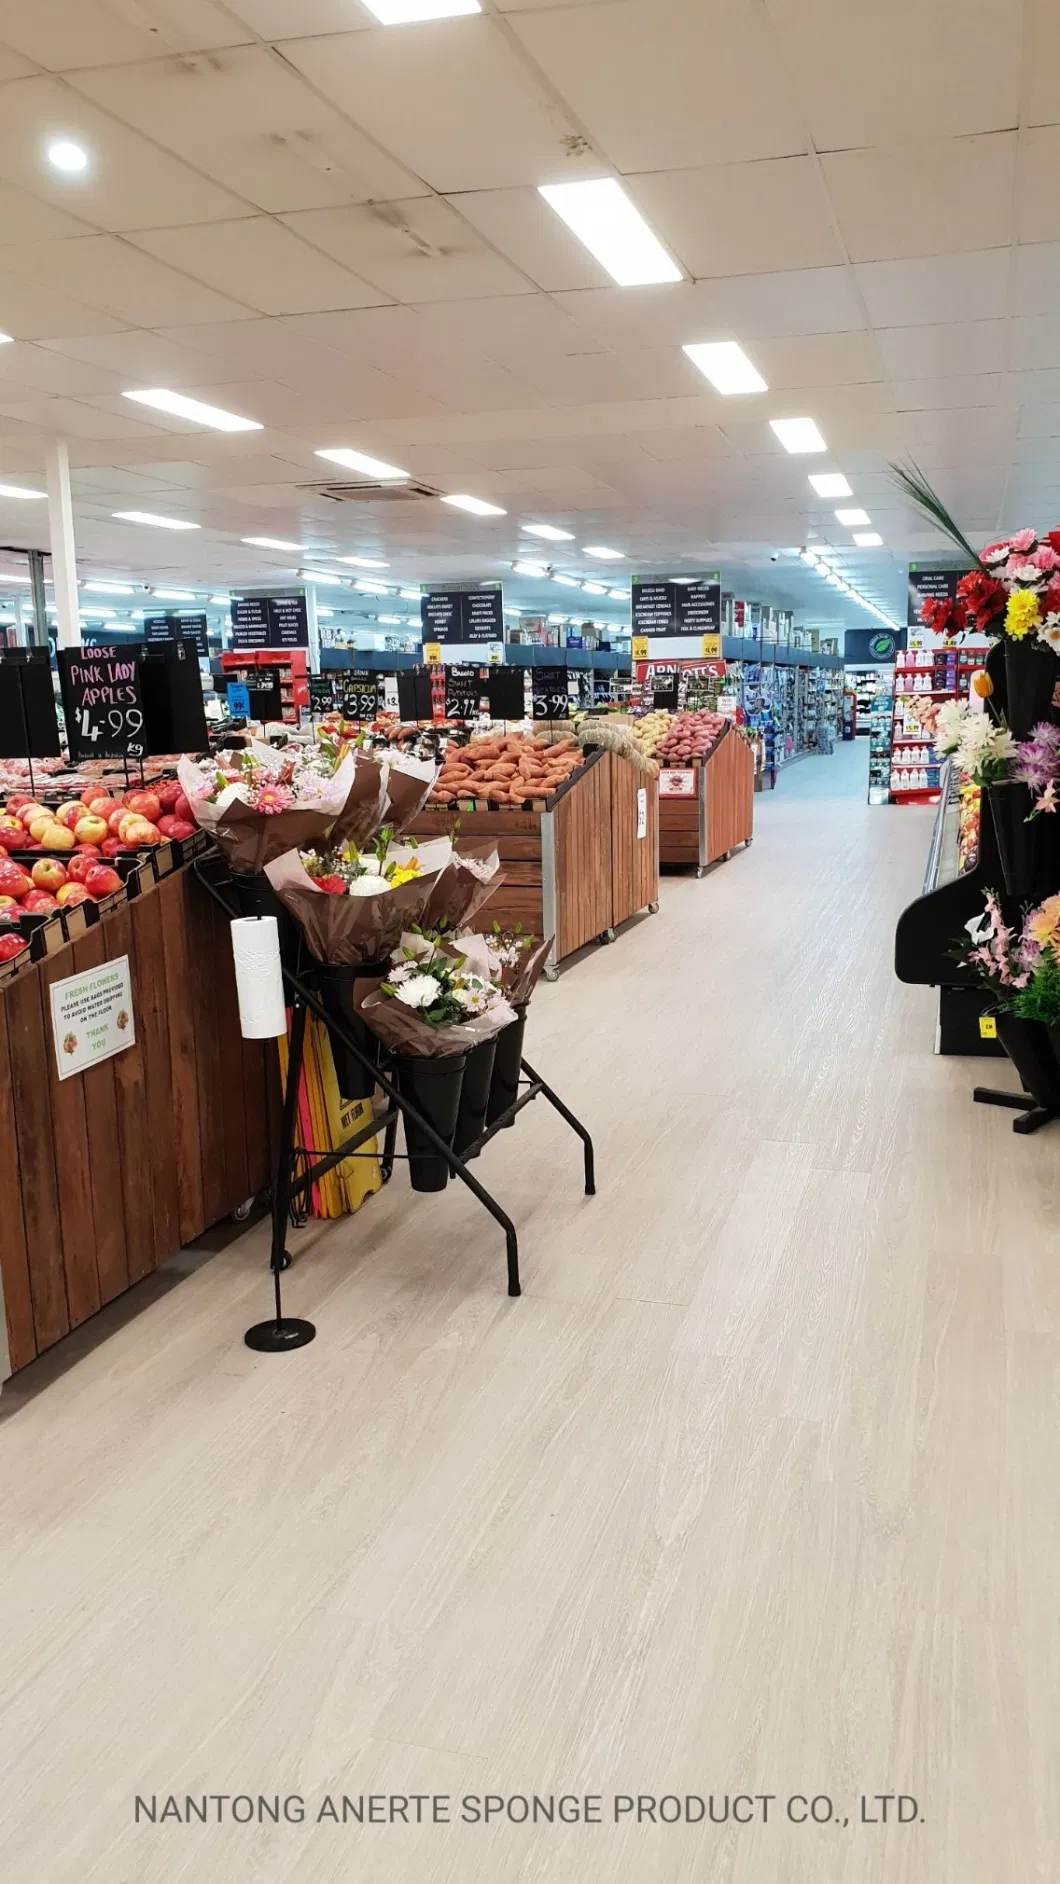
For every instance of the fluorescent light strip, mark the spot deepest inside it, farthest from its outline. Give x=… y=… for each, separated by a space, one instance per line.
x=798 y=435
x=605 y=555
x=830 y=484
x=603 y=218
x=17 y=490
x=548 y=531
x=531 y=569
x=593 y=588
x=363 y=562
x=409 y=595
x=220 y=601
x=158 y=523
x=109 y=588
x=727 y=367
x=817 y=563
x=372 y=588
x=477 y=506
x=173 y=595
x=852 y=519
x=215 y=417
x=360 y=461
x=321 y=575
x=567 y=582
x=277 y=543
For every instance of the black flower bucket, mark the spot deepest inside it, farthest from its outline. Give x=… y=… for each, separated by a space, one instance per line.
x=337 y=986
x=475 y=1095
x=256 y=897
x=1031 y=1047
x=1026 y=849
x=504 y=1085
x=433 y=1086
x=1031 y=675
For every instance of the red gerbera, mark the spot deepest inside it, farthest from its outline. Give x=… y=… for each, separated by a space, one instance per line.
x=332 y=886
x=1053 y=540
x=984 y=598
x=944 y=617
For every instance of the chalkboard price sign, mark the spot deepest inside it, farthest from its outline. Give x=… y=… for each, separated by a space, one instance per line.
x=551 y=698
x=463 y=692
x=103 y=703
x=321 y=693
x=360 y=694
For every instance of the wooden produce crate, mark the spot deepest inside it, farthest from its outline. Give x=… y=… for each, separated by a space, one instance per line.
x=107 y=1173
x=574 y=864
x=706 y=808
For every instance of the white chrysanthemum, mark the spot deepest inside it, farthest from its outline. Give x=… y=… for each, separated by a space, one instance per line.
x=368 y=886
x=1028 y=575
x=401 y=972
x=233 y=794
x=419 y=991
x=950 y=724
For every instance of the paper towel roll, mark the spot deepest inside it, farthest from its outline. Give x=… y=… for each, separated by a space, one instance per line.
x=259 y=982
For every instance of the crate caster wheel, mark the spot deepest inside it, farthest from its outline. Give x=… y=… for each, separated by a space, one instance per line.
x=607 y=936
x=653 y=909
x=551 y=972
x=242 y=1211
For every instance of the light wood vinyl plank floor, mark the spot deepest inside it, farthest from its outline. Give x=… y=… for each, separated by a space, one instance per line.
x=755 y=1490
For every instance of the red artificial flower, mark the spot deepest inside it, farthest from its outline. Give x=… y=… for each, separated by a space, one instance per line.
x=984 y=598
x=944 y=617
x=1050 y=603
x=332 y=886
x=1053 y=540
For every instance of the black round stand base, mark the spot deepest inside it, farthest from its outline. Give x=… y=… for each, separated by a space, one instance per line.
x=275 y=1337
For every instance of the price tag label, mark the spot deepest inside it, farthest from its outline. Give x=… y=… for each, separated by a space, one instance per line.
x=711 y=647
x=464 y=688
x=103 y=703
x=360 y=694
x=640 y=647
x=550 y=696
x=432 y=653
x=987 y=1027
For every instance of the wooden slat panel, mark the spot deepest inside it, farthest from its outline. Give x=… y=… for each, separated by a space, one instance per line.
x=181 y=1001
x=69 y=1125
x=104 y=1155
x=152 y=1019
x=14 y=1263
x=634 y=860
x=29 y=1044
x=679 y=830
x=202 y=944
x=730 y=795
x=582 y=823
x=134 y=1138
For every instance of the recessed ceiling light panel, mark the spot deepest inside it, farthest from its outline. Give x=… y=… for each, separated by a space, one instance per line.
x=853 y=519
x=548 y=531
x=868 y=539
x=798 y=435
x=602 y=216
x=275 y=542
x=604 y=554
x=727 y=367
x=360 y=461
x=157 y=523
x=477 y=506
x=363 y=562
x=830 y=484
x=408 y=12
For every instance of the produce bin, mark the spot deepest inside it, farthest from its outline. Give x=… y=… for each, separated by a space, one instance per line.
x=576 y=864
x=706 y=808
x=108 y=1172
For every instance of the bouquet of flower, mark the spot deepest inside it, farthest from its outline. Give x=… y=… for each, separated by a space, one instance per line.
x=1037 y=765
x=259 y=803
x=997 y=956
x=472 y=874
x=432 y=1004
x=516 y=960
x=343 y=870
x=352 y=906
x=983 y=748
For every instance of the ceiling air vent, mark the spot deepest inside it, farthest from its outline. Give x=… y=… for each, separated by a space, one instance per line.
x=372 y=491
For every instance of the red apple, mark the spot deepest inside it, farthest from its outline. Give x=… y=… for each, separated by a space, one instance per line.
x=80 y=864
x=10 y=946
x=102 y=882
x=11 y=828
x=39 y=903
x=93 y=791
x=182 y=809
x=70 y=812
x=114 y=819
x=7 y=902
x=31 y=810
x=72 y=893
x=167 y=793
x=138 y=831
x=90 y=830
x=113 y=847
x=48 y=875
x=16 y=801
x=14 y=881
x=180 y=829
x=57 y=837
x=145 y=805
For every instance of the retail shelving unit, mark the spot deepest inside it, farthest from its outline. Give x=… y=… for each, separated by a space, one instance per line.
x=937 y=674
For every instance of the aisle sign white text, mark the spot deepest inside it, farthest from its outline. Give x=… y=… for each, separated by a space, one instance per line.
x=92 y=1016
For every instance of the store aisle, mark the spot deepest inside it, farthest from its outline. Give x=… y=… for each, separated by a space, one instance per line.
x=754 y=1491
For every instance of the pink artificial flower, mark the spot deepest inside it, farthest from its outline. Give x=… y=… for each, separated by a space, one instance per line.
x=1027 y=574
x=1023 y=541
x=1047 y=801
x=1046 y=558
x=996 y=552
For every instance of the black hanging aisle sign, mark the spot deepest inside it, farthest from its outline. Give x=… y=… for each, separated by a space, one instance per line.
x=691 y=609
x=172 y=627
x=931 y=583
x=465 y=616
x=270 y=621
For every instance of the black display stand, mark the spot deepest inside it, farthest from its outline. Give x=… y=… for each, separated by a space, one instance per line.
x=298 y=1167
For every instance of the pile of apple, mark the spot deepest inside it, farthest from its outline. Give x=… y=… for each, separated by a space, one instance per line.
x=49 y=885
x=98 y=822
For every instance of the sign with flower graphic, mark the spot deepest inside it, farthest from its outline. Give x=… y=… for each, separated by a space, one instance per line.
x=92 y=1016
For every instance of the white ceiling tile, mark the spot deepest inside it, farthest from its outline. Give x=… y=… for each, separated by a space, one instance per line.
x=61 y=417
x=813 y=360
x=505 y=328
x=970 y=346
x=359 y=393
x=1040 y=421
x=111 y=274
x=737 y=219
x=1028 y=388
x=416 y=251
x=1034 y=342
x=664 y=84
x=140 y=358
x=254 y=126
x=947 y=69
x=1041 y=34
x=63 y=34
x=942 y=288
x=746 y=308
x=379 y=336
x=520 y=224
x=27 y=218
x=937 y=395
x=453 y=100
x=1038 y=208
x=1036 y=279
x=462 y=385
x=32 y=311
x=926 y=198
x=129 y=183
x=47 y=371
x=265 y=265
x=292 y=19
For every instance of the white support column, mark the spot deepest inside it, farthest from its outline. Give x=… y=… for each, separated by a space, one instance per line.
x=64 y=555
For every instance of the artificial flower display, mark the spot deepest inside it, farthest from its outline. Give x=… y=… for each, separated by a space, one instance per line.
x=257 y=804
x=433 y=1004
x=1037 y=765
x=353 y=905
x=983 y=748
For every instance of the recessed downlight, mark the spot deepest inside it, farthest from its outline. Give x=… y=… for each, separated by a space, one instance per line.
x=70 y=159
